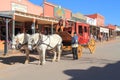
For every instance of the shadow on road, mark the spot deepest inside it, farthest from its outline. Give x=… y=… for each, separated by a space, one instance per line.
x=15 y=59
x=109 y=72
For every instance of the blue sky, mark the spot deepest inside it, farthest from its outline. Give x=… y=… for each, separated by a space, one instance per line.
x=110 y=9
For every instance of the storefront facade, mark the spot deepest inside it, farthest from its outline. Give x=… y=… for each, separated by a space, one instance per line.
x=117 y=30
x=56 y=11
x=20 y=5
x=25 y=17
x=93 y=25
x=112 y=33
x=99 y=19
x=79 y=17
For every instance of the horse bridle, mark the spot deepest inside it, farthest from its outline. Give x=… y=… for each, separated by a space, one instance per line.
x=18 y=44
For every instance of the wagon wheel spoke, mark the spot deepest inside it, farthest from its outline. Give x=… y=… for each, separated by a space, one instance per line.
x=79 y=51
x=92 y=46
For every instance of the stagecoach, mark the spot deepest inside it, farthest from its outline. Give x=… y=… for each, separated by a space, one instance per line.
x=83 y=32
x=42 y=42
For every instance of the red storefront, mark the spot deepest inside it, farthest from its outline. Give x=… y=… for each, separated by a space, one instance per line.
x=99 y=19
x=56 y=11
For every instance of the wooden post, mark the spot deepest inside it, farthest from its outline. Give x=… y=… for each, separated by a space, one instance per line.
x=52 y=28
x=6 y=38
x=13 y=27
x=33 y=26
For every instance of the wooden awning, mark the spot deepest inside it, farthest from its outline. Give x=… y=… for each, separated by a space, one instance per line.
x=5 y=15
x=21 y=16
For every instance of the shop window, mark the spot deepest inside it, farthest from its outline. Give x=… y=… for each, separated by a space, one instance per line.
x=17 y=31
x=39 y=29
x=29 y=31
x=47 y=30
x=3 y=33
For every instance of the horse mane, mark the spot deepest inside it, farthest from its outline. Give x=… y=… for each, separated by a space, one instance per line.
x=22 y=37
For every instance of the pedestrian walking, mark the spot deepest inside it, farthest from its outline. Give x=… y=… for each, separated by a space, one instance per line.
x=75 y=46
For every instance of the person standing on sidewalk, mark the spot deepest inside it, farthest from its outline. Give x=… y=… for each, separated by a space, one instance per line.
x=75 y=46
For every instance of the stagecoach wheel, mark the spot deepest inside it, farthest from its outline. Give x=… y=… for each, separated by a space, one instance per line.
x=66 y=48
x=79 y=51
x=92 y=45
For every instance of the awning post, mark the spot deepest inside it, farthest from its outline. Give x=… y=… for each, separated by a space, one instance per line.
x=52 y=28
x=6 y=38
x=33 y=27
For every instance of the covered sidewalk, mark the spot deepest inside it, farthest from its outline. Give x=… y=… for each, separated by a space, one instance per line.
x=21 y=21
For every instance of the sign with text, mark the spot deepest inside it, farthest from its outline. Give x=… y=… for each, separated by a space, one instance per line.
x=19 y=7
x=59 y=12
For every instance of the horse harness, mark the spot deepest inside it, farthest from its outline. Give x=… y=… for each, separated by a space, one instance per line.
x=42 y=42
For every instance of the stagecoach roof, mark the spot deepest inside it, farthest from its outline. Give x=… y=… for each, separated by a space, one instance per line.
x=10 y=14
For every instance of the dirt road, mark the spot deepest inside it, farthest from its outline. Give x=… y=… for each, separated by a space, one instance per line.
x=104 y=64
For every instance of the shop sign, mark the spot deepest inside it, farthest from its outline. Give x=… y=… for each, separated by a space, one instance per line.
x=59 y=12
x=78 y=19
x=91 y=21
x=117 y=29
x=104 y=30
x=19 y=7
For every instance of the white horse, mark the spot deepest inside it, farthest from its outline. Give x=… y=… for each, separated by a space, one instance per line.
x=19 y=42
x=46 y=42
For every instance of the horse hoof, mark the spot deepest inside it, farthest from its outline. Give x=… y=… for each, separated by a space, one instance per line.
x=57 y=60
x=42 y=63
x=53 y=60
x=26 y=62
